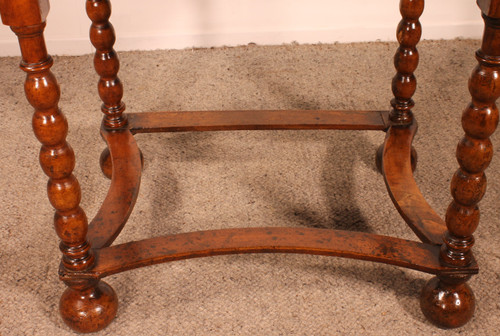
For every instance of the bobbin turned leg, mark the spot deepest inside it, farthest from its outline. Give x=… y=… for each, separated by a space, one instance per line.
x=404 y=82
x=449 y=302
x=94 y=303
x=107 y=65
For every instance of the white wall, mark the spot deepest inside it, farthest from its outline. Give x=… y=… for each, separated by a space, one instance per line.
x=165 y=24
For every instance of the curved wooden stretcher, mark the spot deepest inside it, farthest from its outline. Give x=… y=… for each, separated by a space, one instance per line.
x=89 y=304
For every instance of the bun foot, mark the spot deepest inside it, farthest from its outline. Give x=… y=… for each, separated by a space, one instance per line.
x=447 y=305
x=90 y=309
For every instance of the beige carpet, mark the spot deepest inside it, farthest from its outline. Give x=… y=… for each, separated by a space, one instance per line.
x=234 y=179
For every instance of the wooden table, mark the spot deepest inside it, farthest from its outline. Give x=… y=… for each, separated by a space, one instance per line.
x=444 y=249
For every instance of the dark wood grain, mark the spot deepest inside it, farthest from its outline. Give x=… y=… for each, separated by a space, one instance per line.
x=89 y=304
x=474 y=151
x=183 y=121
x=23 y=13
x=88 y=308
x=123 y=191
x=57 y=158
x=403 y=189
x=406 y=60
x=447 y=300
x=106 y=63
x=356 y=245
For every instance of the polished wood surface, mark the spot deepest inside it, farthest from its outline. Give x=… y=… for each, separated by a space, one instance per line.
x=449 y=301
x=57 y=161
x=24 y=13
x=56 y=155
x=89 y=308
x=475 y=150
x=398 y=173
x=125 y=181
x=186 y=121
x=106 y=63
x=89 y=304
x=406 y=59
x=335 y=243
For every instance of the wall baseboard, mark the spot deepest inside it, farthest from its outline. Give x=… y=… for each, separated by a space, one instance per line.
x=81 y=46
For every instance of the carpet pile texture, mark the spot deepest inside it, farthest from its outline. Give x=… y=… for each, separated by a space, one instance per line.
x=199 y=181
